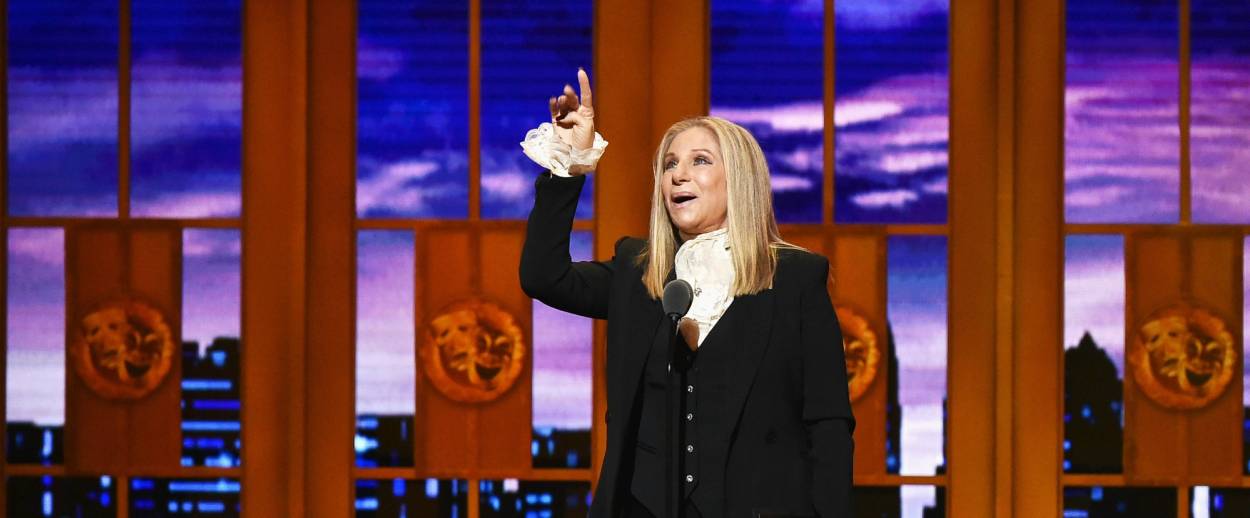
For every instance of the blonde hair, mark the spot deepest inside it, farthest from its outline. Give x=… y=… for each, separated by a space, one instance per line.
x=753 y=235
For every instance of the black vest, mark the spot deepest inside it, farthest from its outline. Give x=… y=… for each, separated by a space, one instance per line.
x=701 y=420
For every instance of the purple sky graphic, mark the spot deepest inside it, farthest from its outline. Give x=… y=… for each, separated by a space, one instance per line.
x=35 y=326
x=890 y=113
x=1093 y=293
x=916 y=308
x=186 y=109
x=1122 y=136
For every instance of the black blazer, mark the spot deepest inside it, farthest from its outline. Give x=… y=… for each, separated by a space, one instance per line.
x=790 y=450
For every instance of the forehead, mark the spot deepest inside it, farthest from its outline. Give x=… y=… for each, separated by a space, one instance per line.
x=697 y=137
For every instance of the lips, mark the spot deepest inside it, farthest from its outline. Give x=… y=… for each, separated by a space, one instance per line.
x=680 y=199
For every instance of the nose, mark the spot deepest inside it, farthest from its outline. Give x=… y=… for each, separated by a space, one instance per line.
x=679 y=175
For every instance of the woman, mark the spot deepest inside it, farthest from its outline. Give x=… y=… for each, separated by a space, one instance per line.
x=762 y=422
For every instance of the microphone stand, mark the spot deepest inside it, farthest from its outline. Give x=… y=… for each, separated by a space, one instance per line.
x=670 y=447
x=678 y=295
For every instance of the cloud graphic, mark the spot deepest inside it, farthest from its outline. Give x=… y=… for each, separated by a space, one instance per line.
x=788 y=183
x=375 y=62
x=392 y=186
x=507 y=185
x=897 y=199
x=198 y=204
x=804 y=116
x=911 y=162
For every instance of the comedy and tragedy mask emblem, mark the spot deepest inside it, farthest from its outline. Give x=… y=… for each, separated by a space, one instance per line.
x=122 y=349
x=473 y=351
x=1183 y=357
x=859 y=345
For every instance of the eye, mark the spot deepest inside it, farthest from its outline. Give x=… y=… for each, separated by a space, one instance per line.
x=670 y=164
x=701 y=160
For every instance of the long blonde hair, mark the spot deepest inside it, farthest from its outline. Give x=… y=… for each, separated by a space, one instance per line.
x=753 y=235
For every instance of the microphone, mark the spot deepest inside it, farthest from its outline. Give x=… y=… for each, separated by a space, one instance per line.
x=678 y=295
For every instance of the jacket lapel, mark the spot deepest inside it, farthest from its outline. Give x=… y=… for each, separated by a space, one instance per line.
x=755 y=322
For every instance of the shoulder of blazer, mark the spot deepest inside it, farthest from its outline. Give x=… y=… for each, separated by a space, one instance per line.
x=801 y=265
x=628 y=249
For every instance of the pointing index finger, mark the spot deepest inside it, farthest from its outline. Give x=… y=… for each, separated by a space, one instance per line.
x=583 y=81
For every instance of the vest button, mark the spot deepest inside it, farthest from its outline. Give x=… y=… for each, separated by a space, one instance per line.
x=689 y=448
x=689 y=478
x=690 y=417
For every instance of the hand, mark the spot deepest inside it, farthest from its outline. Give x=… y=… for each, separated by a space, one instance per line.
x=574 y=119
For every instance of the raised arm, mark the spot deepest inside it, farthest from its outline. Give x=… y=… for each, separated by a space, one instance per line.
x=568 y=149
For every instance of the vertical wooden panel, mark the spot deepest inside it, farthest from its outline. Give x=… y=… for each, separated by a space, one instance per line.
x=1038 y=254
x=95 y=265
x=1154 y=437
x=104 y=435
x=1214 y=433
x=442 y=434
x=859 y=281
x=155 y=422
x=974 y=418
x=503 y=424
x=275 y=208
x=680 y=62
x=329 y=413
x=1167 y=444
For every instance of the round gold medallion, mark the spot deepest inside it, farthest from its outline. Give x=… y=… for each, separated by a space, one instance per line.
x=859 y=345
x=122 y=349
x=473 y=351
x=1183 y=357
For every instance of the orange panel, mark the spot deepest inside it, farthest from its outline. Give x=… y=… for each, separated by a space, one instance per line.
x=1154 y=437
x=505 y=424
x=95 y=268
x=1214 y=432
x=107 y=435
x=444 y=274
x=859 y=281
x=155 y=421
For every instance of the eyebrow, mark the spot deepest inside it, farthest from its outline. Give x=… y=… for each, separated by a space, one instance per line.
x=708 y=151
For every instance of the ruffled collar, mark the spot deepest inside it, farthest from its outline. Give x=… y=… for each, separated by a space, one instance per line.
x=721 y=234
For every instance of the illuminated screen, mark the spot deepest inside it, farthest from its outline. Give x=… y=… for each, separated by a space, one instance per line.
x=412 y=126
x=62 y=108
x=529 y=52
x=1121 y=124
x=186 y=108
x=891 y=115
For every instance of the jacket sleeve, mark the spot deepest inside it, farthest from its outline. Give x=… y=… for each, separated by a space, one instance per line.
x=826 y=402
x=547 y=271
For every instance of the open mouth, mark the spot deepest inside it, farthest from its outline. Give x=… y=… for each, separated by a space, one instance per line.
x=681 y=199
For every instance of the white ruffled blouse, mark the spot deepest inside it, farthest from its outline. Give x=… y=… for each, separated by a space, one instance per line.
x=704 y=261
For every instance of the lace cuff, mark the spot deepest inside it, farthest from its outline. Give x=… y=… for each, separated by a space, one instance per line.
x=545 y=149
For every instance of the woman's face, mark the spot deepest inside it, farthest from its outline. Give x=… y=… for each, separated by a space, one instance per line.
x=693 y=183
